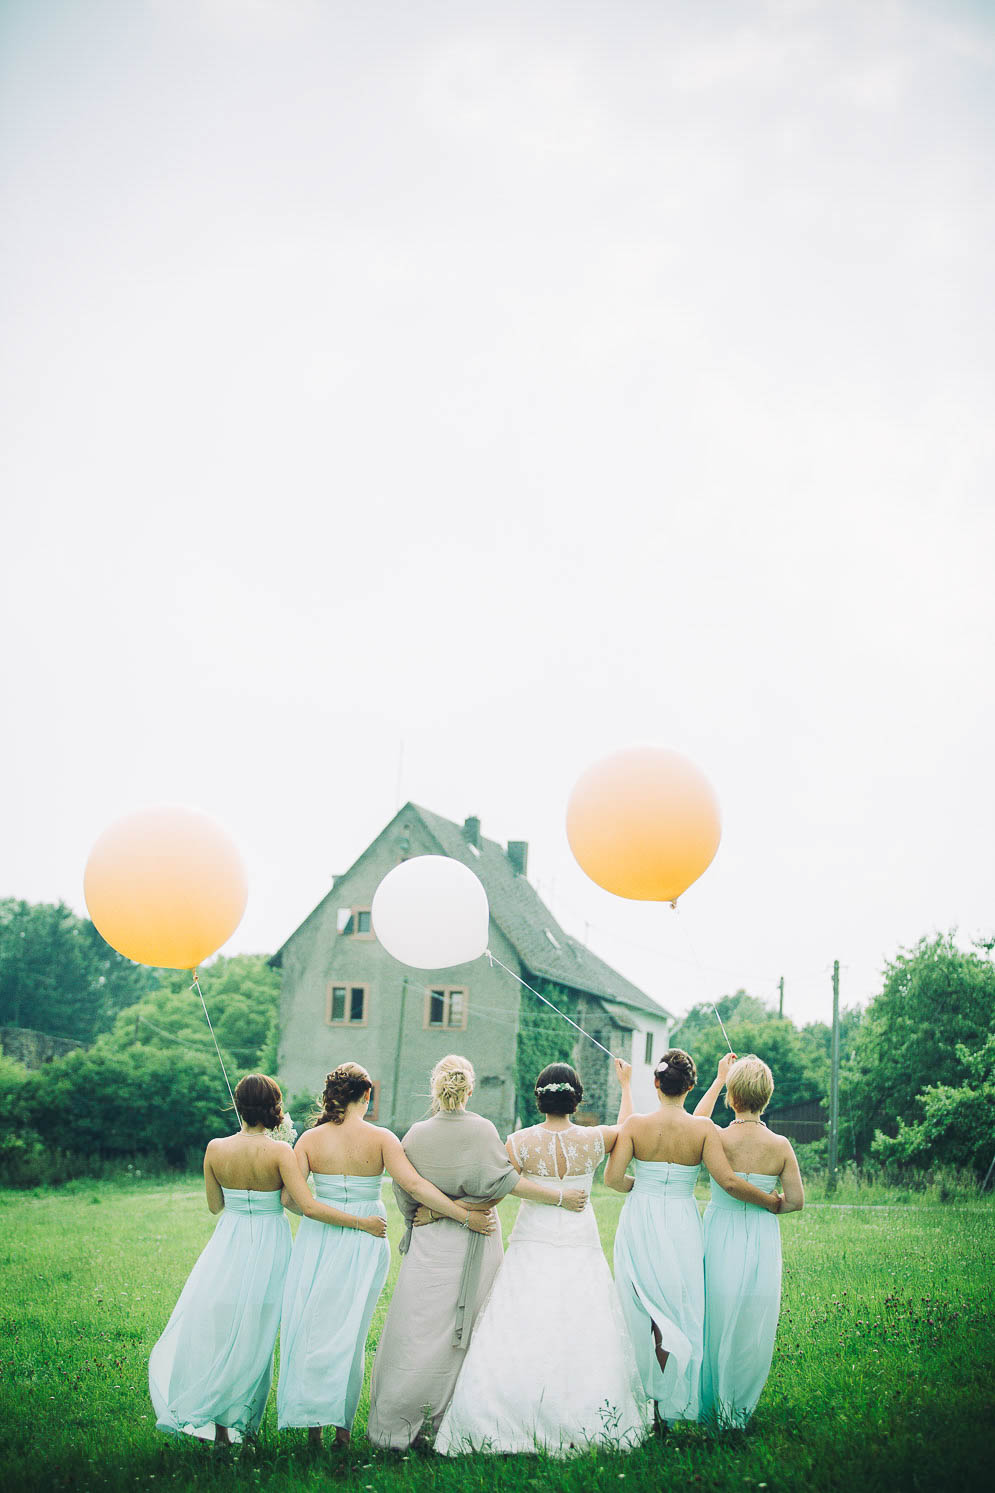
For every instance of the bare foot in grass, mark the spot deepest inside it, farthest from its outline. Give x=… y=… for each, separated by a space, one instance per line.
x=314 y=1438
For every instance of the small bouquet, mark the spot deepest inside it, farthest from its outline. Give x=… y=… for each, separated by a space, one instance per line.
x=284 y=1131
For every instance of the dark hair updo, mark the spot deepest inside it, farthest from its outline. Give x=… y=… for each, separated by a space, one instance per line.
x=259 y=1101
x=343 y=1086
x=558 y=1090
x=675 y=1073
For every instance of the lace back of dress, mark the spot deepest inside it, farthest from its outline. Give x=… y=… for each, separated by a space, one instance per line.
x=577 y=1151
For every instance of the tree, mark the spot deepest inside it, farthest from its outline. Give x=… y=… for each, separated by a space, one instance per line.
x=799 y=1060
x=242 y=995
x=103 y=1103
x=957 y=1124
x=937 y=1006
x=57 y=974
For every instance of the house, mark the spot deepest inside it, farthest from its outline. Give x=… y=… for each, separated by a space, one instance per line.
x=344 y=997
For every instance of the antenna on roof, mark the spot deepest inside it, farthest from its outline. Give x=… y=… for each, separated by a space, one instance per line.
x=400 y=769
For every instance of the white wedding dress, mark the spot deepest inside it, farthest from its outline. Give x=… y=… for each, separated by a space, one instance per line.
x=550 y=1366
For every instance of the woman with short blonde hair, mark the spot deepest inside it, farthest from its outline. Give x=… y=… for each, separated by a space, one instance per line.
x=743 y=1249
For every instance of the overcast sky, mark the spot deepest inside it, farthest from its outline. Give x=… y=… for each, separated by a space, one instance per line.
x=513 y=382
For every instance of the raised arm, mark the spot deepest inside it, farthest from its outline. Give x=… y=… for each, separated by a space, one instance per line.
x=306 y=1203
x=621 y=1155
x=413 y=1182
x=706 y=1103
x=793 y=1200
x=215 y=1197
x=715 y=1158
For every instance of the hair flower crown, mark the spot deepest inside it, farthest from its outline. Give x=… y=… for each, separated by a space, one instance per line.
x=555 y=1088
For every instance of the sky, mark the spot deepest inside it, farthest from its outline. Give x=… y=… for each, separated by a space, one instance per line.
x=424 y=401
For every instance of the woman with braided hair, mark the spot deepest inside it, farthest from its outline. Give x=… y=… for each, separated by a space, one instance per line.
x=445 y=1275
x=659 y=1244
x=337 y=1273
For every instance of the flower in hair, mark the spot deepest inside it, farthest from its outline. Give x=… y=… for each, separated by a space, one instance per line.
x=662 y=1066
x=555 y=1088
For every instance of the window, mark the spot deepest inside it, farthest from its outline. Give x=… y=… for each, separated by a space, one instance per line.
x=649 y=1048
x=355 y=922
x=445 y=1008
x=345 y=1005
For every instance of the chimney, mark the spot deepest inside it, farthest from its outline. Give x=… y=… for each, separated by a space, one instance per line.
x=471 y=832
x=518 y=854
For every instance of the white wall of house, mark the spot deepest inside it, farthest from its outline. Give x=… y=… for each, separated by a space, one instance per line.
x=651 y=1039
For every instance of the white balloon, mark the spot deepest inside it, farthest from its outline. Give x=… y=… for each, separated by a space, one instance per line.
x=431 y=912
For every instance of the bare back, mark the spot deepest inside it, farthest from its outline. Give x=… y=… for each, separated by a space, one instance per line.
x=754 y=1148
x=352 y=1149
x=249 y=1162
x=668 y=1135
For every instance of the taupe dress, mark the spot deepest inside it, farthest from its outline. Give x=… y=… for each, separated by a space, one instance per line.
x=446 y=1274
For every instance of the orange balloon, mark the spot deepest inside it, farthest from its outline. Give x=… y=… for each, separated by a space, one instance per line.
x=644 y=823
x=165 y=887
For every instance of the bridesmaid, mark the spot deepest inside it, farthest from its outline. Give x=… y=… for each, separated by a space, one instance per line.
x=336 y=1274
x=659 y=1245
x=210 y=1372
x=743 y=1251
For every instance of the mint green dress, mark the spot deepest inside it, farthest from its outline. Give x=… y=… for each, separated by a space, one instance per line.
x=742 y=1301
x=333 y=1285
x=213 y=1364
x=660 y=1282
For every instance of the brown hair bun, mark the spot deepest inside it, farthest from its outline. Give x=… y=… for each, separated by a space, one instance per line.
x=259 y=1101
x=343 y=1086
x=558 y=1089
x=675 y=1073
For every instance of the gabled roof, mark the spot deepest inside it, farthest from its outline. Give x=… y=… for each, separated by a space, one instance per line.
x=528 y=924
x=543 y=947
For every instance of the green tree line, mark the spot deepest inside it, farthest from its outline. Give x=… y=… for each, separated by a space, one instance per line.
x=917 y=1080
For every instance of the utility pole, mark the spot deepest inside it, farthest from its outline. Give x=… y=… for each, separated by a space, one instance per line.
x=396 y=1080
x=834 y=1083
x=780 y=1004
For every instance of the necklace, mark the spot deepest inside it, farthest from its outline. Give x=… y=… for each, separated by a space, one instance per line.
x=748 y=1122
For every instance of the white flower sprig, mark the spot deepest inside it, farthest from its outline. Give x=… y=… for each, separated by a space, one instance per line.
x=284 y=1131
x=555 y=1088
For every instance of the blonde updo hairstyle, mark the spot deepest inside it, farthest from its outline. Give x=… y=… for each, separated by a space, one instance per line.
x=452 y=1083
x=343 y=1086
x=749 y=1084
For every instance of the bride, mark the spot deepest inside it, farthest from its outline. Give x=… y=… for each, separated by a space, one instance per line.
x=550 y=1366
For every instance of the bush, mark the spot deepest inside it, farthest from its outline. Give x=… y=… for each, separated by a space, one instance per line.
x=103 y=1104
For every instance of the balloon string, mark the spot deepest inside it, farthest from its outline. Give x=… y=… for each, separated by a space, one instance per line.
x=701 y=967
x=217 y=1049
x=495 y=960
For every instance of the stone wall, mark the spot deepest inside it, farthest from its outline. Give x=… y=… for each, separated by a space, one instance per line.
x=34 y=1049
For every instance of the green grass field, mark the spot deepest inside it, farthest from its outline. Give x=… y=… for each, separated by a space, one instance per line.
x=883 y=1376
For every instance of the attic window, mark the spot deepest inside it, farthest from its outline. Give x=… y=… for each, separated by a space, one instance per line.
x=475 y=849
x=554 y=941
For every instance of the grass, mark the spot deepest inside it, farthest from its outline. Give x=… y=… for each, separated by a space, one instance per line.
x=882 y=1380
